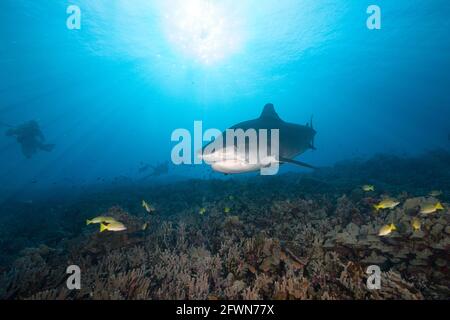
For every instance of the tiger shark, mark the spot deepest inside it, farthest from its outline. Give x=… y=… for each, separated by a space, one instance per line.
x=228 y=154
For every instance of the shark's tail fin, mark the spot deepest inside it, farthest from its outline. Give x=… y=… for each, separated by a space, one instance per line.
x=310 y=124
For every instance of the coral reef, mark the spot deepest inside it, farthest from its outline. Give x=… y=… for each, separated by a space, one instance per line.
x=287 y=237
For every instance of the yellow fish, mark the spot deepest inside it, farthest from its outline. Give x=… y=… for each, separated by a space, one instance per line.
x=113 y=226
x=435 y=193
x=100 y=219
x=147 y=206
x=416 y=224
x=202 y=211
x=431 y=207
x=226 y=210
x=145 y=226
x=368 y=187
x=386 y=204
x=387 y=229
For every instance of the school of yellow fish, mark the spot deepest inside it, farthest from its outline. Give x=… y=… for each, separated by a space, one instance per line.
x=111 y=224
x=427 y=207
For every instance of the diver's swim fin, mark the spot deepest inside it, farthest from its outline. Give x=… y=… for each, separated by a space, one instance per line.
x=298 y=163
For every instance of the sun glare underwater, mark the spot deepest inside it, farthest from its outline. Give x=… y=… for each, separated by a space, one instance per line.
x=112 y=118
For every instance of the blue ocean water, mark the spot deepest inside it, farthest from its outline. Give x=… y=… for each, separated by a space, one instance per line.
x=110 y=94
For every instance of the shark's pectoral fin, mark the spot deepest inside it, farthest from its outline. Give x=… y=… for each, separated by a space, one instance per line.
x=298 y=163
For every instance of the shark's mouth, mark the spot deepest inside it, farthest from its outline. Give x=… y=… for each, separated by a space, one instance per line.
x=234 y=166
x=232 y=162
x=221 y=155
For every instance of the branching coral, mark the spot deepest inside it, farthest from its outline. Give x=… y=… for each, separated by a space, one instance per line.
x=300 y=244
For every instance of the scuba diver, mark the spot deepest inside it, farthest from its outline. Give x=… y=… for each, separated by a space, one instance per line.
x=30 y=138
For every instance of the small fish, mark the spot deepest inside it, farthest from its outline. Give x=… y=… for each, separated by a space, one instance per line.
x=430 y=207
x=149 y=208
x=113 y=226
x=100 y=219
x=387 y=229
x=202 y=211
x=231 y=197
x=226 y=210
x=145 y=226
x=368 y=187
x=435 y=193
x=386 y=204
x=416 y=224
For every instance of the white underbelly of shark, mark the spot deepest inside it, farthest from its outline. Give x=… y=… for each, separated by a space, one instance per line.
x=234 y=166
x=234 y=162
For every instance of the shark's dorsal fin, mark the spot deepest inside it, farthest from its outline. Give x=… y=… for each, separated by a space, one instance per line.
x=269 y=112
